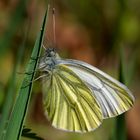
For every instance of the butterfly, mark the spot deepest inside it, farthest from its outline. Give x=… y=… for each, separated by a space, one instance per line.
x=77 y=96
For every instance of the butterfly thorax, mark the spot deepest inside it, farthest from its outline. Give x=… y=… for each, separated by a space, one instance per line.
x=48 y=61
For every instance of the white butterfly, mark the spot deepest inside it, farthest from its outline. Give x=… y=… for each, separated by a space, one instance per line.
x=78 y=96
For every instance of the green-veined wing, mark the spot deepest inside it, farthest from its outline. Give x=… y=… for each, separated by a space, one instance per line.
x=114 y=97
x=68 y=102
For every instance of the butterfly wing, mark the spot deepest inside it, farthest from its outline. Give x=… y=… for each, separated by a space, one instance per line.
x=114 y=97
x=69 y=103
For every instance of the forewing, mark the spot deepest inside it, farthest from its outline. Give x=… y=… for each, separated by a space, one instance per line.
x=69 y=103
x=113 y=97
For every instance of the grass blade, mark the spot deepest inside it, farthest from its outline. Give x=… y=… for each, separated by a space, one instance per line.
x=120 y=130
x=10 y=94
x=120 y=124
x=8 y=104
x=16 y=121
x=14 y=23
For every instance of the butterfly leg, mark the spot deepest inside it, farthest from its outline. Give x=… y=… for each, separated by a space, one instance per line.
x=27 y=73
x=29 y=82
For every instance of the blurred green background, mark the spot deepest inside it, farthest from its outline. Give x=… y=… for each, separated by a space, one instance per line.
x=92 y=31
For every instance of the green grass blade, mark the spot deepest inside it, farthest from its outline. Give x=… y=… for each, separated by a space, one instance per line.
x=17 y=117
x=120 y=120
x=119 y=132
x=10 y=94
x=14 y=23
x=8 y=104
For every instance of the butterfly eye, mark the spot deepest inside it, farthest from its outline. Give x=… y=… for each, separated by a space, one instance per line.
x=50 y=52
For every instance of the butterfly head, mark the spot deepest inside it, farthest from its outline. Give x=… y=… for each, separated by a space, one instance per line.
x=48 y=61
x=51 y=52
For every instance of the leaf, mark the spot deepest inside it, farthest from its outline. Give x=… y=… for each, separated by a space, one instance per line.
x=18 y=114
x=26 y=132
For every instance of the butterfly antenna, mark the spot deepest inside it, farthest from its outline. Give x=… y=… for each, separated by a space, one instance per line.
x=48 y=10
x=54 y=26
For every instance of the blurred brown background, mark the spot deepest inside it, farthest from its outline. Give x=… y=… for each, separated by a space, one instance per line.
x=92 y=31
